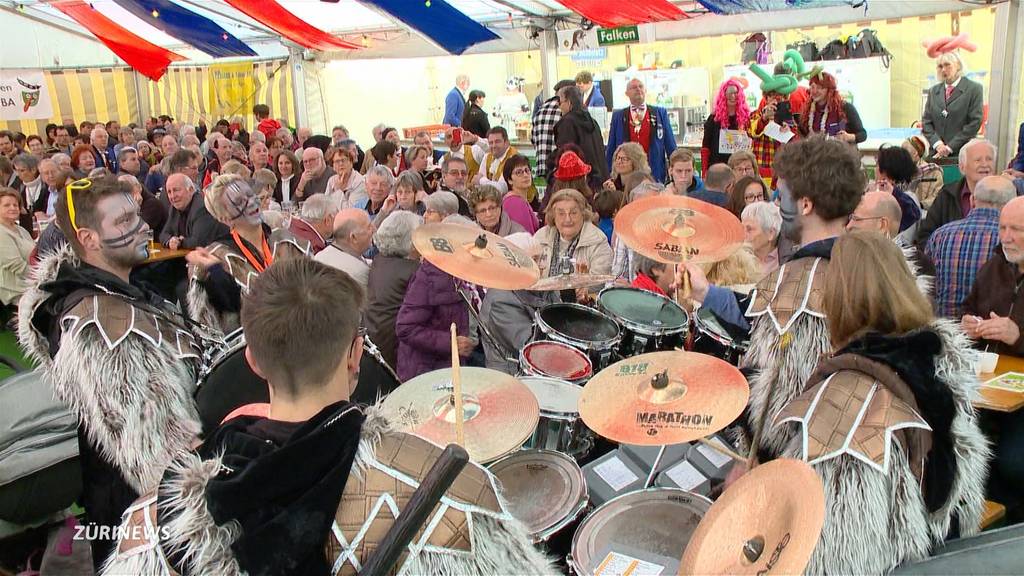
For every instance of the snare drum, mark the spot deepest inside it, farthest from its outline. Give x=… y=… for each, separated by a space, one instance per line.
x=583 y=328
x=555 y=360
x=544 y=490
x=652 y=322
x=712 y=338
x=652 y=526
x=560 y=427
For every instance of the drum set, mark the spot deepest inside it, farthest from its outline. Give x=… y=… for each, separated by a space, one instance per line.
x=620 y=372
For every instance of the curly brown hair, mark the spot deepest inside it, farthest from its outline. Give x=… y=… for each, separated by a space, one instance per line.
x=827 y=172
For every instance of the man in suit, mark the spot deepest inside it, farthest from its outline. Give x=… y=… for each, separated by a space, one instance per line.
x=645 y=125
x=99 y=139
x=954 y=109
x=189 y=224
x=455 y=101
x=592 y=97
x=422 y=138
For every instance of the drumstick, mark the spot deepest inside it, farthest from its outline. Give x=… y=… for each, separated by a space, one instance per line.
x=721 y=449
x=460 y=437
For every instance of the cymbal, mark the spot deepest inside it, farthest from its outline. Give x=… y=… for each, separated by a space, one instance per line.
x=571 y=281
x=767 y=522
x=476 y=256
x=500 y=412
x=674 y=229
x=663 y=398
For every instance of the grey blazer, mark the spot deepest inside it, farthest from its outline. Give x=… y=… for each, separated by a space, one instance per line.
x=954 y=122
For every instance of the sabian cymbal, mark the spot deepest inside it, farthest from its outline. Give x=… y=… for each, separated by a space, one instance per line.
x=476 y=256
x=663 y=398
x=500 y=412
x=673 y=229
x=768 y=522
x=571 y=281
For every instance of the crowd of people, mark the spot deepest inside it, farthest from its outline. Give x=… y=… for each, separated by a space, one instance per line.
x=299 y=238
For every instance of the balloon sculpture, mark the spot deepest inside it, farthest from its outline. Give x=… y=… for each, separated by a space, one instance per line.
x=949 y=44
x=785 y=83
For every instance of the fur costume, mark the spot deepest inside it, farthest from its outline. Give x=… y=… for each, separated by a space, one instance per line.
x=471 y=533
x=860 y=425
x=282 y=243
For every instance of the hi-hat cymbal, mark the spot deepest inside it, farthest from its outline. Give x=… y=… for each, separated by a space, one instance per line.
x=500 y=412
x=663 y=398
x=476 y=256
x=767 y=522
x=673 y=229
x=571 y=281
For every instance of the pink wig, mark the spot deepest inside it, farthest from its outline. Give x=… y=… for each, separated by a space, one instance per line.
x=722 y=108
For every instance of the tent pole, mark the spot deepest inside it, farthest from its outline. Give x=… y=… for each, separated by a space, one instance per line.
x=1004 y=87
x=548 y=68
x=298 y=87
x=142 y=105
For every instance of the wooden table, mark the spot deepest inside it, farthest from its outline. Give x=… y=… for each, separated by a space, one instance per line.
x=997 y=399
x=162 y=253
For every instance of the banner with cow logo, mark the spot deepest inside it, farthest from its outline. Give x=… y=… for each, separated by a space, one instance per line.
x=24 y=95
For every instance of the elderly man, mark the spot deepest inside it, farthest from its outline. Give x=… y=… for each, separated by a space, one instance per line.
x=316 y=224
x=315 y=174
x=151 y=210
x=302 y=134
x=422 y=138
x=645 y=125
x=440 y=205
x=977 y=160
x=157 y=177
x=959 y=248
x=188 y=225
x=62 y=160
x=877 y=211
x=455 y=101
x=128 y=162
x=26 y=167
x=50 y=174
x=99 y=139
x=353 y=236
x=340 y=134
x=954 y=110
x=717 y=185
x=222 y=153
x=259 y=156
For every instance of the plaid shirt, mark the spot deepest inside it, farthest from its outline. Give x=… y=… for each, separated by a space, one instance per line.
x=959 y=249
x=543 y=134
x=763 y=147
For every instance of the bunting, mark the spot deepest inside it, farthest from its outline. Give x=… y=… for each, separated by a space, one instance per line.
x=439 y=21
x=276 y=17
x=611 y=14
x=191 y=28
x=149 y=59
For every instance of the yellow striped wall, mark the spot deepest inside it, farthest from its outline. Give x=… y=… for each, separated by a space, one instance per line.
x=96 y=94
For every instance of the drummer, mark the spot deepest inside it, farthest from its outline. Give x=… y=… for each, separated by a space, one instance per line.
x=570 y=242
x=654 y=276
x=509 y=315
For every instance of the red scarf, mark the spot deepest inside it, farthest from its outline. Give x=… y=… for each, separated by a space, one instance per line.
x=645 y=282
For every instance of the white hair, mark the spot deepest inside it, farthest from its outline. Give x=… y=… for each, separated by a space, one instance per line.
x=394 y=235
x=962 y=157
x=766 y=214
x=384 y=172
x=186 y=130
x=320 y=206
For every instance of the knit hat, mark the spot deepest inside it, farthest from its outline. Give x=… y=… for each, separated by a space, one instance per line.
x=443 y=202
x=571 y=167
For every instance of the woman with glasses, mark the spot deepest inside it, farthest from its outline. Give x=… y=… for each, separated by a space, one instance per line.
x=516 y=203
x=570 y=240
x=746 y=191
x=347 y=183
x=485 y=203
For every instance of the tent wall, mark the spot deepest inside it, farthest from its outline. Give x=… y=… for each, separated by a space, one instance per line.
x=95 y=94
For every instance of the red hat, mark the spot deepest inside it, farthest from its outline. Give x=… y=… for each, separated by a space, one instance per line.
x=571 y=167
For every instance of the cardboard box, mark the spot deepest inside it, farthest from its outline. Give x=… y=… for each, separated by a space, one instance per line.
x=709 y=461
x=612 y=475
x=685 y=476
x=644 y=456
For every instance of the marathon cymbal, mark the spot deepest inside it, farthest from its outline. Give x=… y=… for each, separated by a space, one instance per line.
x=768 y=522
x=476 y=256
x=674 y=229
x=500 y=412
x=663 y=398
x=571 y=282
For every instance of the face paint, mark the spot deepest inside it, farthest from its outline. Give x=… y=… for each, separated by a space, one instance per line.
x=125 y=237
x=242 y=204
x=791 y=225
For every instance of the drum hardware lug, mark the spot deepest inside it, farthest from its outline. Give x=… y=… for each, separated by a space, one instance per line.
x=639 y=344
x=753 y=548
x=605 y=356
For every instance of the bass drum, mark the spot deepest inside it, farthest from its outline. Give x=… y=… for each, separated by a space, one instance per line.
x=230 y=383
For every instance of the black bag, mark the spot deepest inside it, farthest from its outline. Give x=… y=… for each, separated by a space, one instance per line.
x=870 y=45
x=834 y=50
x=808 y=50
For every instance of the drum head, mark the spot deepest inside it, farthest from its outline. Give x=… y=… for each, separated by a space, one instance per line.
x=653 y=526
x=557 y=360
x=544 y=490
x=578 y=323
x=556 y=397
x=643 y=311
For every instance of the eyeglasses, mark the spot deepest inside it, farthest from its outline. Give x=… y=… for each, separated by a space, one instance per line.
x=521 y=172
x=753 y=197
x=83 y=184
x=458 y=172
x=487 y=210
x=569 y=214
x=310 y=161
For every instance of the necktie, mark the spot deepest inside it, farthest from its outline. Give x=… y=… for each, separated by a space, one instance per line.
x=949 y=91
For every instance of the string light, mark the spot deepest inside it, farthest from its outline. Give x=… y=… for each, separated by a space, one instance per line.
x=427 y=3
x=155 y=13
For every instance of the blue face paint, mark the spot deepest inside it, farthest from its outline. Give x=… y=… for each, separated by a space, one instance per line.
x=791 y=225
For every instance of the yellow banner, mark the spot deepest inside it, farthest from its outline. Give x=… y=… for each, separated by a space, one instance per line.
x=231 y=88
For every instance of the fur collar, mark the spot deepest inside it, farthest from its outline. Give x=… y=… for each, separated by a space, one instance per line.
x=32 y=341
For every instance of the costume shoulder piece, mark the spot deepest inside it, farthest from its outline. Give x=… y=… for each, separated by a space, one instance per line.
x=792 y=290
x=857 y=411
x=283 y=245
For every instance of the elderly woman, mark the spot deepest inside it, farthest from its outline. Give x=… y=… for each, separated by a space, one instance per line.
x=418 y=158
x=629 y=158
x=147 y=152
x=746 y=191
x=82 y=160
x=390 y=273
x=408 y=196
x=569 y=241
x=762 y=222
x=486 y=206
x=221 y=271
x=347 y=183
x=15 y=247
x=263 y=182
x=517 y=202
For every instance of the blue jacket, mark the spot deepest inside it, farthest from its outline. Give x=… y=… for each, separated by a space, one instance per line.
x=596 y=98
x=1018 y=162
x=663 y=141
x=454 y=106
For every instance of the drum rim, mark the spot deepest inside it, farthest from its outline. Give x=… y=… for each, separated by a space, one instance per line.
x=644 y=329
x=577 y=509
x=525 y=364
x=574 y=562
x=703 y=330
x=233 y=342
x=555 y=414
x=595 y=345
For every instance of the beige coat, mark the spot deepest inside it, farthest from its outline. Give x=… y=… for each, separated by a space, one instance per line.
x=15 y=246
x=593 y=248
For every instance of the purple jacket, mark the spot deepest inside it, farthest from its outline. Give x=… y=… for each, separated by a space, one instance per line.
x=424 y=322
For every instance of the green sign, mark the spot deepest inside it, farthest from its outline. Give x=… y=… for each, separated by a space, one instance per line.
x=620 y=35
